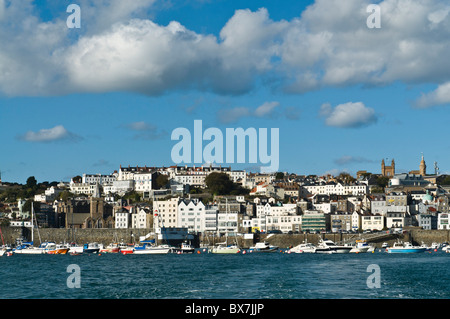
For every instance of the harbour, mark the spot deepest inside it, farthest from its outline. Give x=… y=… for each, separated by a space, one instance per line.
x=278 y=275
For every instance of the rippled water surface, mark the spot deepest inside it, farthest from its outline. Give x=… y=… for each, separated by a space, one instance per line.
x=241 y=276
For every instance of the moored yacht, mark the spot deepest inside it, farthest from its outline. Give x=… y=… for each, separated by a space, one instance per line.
x=304 y=247
x=328 y=246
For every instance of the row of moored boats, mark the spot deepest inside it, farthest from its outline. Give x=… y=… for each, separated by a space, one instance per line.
x=52 y=248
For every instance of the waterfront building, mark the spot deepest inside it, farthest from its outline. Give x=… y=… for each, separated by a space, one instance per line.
x=167 y=211
x=141 y=218
x=370 y=221
x=356 y=221
x=427 y=221
x=341 y=221
x=121 y=218
x=397 y=219
x=315 y=221
x=443 y=221
x=191 y=215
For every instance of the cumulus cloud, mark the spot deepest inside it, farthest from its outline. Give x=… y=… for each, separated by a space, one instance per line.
x=440 y=96
x=57 y=133
x=348 y=115
x=120 y=49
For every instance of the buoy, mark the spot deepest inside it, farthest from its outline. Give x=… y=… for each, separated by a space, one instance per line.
x=198 y=252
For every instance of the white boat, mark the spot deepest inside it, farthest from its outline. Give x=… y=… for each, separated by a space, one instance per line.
x=446 y=249
x=360 y=247
x=263 y=247
x=385 y=245
x=304 y=247
x=224 y=249
x=328 y=246
x=147 y=249
x=91 y=248
x=405 y=248
x=75 y=249
x=27 y=248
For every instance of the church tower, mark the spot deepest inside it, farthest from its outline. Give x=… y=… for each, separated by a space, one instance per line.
x=388 y=170
x=423 y=167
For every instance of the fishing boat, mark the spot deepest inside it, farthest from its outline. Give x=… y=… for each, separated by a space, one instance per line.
x=263 y=247
x=126 y=250
x=405 y=248
x=112 y=248
x=91 y=248
x=54 y=249
x=185 y=248
x=304 y=247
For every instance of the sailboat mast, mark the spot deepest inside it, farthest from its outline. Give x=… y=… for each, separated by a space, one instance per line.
x=32 y=222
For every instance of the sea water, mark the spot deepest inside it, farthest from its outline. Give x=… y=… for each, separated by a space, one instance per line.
x=241 y=276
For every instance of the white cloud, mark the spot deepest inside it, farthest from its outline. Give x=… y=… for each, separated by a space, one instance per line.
x=266 y=109
x=348 y=115
x=440 y=96
x=119 y=49
x=57 y=133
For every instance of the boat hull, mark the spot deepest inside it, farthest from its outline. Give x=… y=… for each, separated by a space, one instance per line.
x=62 y=251
x=152 y=251
x=30 y=251
x=264 y=250
x=406 y=250
x=225 y=250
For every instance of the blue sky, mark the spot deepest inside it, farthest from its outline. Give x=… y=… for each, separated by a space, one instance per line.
x=343 y=96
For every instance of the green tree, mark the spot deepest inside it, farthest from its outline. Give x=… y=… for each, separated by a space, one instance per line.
x=219 y=183
x=279 y=176
x=31 y=182
x=382 y=181
x=162 y=180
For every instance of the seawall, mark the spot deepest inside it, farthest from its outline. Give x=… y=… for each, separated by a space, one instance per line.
x=106 y=236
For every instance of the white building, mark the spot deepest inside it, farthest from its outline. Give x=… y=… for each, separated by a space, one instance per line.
x=167 y=212
x=336 y=189
x=443 y=221
x=191 y=215
x=372 y=222
x=98 y=178
x=122 y=218
x=141 y=218
x=144 y=181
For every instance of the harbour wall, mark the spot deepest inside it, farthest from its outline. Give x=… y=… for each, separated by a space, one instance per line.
x=107 y=235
